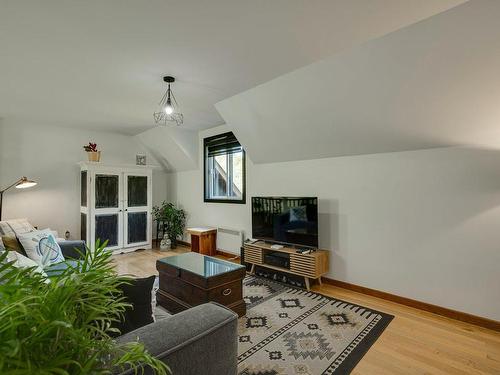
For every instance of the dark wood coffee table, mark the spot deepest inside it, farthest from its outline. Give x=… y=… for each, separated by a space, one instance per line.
x=191 y=279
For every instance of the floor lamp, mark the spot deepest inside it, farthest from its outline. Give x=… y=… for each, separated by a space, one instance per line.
x=22 y=183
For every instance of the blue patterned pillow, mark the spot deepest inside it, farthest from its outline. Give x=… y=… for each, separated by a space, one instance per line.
x=41 y=246
x=50 y=251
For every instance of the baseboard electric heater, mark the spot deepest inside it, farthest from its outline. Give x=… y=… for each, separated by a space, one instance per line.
x=229 y=240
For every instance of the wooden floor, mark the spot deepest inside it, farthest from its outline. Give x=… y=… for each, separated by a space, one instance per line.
x=416 y=342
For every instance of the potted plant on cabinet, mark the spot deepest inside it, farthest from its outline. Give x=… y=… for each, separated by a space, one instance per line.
x=173 y=220
x=92 y=152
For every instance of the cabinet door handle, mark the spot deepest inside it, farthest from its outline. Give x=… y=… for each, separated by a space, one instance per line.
x=226 y=292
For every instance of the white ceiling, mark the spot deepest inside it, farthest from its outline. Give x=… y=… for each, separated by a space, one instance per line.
x=98 y=64
x=435 y=83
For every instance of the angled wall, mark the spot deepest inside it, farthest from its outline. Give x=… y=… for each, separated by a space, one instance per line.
x=431 y=84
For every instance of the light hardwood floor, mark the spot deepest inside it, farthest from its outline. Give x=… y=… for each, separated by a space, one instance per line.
x=416 y=342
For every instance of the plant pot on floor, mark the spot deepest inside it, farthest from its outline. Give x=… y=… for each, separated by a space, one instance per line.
x=94 y=156
x=173 y=243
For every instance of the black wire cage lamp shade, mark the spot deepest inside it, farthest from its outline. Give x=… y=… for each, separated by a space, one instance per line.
x=169 y=109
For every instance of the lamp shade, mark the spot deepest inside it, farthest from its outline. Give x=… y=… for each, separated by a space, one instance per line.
x=24 y=183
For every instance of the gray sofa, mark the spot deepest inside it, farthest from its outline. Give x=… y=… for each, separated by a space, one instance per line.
x=198 y=341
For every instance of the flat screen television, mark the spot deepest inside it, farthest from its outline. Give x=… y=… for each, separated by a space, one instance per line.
x=287 y=220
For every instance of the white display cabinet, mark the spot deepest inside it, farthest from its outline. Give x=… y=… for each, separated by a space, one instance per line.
x=115 y=205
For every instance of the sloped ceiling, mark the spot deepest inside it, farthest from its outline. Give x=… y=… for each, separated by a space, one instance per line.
x=434 y=83
x=176 y=150
x=98 y=64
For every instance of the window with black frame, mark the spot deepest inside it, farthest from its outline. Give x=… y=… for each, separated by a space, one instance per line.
x=224 y=169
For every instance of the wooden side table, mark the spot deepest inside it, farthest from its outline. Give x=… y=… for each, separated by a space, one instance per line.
x=203 y=240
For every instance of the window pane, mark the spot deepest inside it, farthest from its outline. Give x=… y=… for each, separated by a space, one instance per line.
x=137 y=227
x=220 y=176
x=106 y=228
x=106 y=191
x=237 y=162
x=137 y=187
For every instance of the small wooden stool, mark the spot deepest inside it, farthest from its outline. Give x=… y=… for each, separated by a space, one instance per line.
x=203 y=240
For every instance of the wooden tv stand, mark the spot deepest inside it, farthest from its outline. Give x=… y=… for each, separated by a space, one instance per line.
x=309 y=266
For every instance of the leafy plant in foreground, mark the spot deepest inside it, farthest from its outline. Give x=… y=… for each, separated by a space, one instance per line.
x=64 y=326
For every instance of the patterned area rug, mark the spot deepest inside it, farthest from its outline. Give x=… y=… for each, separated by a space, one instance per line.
x=294 y=332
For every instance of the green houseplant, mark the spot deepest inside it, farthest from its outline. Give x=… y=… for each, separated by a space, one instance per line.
x=63 y=325
x=173 y=218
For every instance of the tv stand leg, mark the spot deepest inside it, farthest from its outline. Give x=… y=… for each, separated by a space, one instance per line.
x=308 y=287
x=319 y=280
x=252 y=270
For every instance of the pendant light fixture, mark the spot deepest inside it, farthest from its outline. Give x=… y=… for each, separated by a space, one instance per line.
x=169 y=109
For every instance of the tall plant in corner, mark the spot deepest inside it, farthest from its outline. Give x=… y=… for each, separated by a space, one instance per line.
x=173 y=218
x=62 y=325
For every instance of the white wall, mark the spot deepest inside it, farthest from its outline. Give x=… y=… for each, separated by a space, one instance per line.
x=50 y=155
x=420 y=224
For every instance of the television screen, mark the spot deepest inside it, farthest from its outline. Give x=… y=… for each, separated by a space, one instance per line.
x=287 y=220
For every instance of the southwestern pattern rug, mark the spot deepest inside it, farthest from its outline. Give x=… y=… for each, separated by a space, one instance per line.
x=289 y=331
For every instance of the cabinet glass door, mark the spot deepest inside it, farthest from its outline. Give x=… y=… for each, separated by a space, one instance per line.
x=108 y=209
x=136 y=208
x=84 y=205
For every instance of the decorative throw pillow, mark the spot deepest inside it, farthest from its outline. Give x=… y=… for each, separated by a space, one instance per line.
x=12 y=243
x=50 y=250
x=11 y=255
x=20 y=261
x=41 y=246
x=298 y=213
x=17 y=226
x=138 y=294
x=5 y=229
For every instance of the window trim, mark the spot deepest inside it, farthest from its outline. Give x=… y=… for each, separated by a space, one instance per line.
x=206 y=199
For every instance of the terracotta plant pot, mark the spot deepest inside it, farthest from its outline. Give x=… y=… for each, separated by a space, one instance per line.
x=94 y=156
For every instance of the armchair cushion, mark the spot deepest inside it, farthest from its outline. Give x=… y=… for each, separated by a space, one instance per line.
x=55 y=269
x=73 y=252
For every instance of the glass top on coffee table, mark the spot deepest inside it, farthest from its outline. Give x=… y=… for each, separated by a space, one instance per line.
x=202 y=265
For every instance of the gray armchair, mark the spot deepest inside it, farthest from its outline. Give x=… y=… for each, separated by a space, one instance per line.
x=199 y=341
